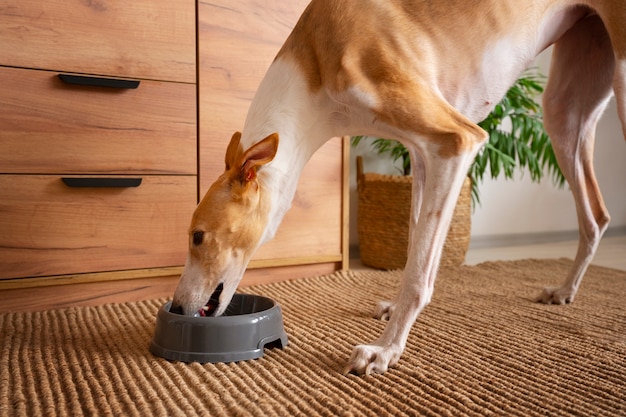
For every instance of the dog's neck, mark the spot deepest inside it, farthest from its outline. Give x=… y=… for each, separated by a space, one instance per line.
x=284 y=104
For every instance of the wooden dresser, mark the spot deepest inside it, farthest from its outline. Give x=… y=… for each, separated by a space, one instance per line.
x=114 y=118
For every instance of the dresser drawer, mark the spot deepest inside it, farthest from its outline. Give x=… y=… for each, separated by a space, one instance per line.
x=50 y=127
x=49 y=228
x=140 y=38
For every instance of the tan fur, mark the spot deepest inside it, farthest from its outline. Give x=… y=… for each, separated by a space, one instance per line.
x=423 y=72
x=232 y=203
x=231 y=217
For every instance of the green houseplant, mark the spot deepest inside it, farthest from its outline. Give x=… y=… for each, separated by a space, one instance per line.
x=517 y=140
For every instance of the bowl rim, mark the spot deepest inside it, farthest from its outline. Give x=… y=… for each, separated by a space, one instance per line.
x=165 y=318
x=165 y=310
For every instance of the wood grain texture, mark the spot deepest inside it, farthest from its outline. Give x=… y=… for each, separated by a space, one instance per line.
x=50 y=127
x=140 y=39
x=47 y=228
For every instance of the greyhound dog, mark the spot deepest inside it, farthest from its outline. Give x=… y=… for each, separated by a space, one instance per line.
x=423 y=72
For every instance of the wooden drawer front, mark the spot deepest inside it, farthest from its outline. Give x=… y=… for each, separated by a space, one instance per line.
x=48 y=228
x=139 y=38
x=48 y=126
x=239 y=40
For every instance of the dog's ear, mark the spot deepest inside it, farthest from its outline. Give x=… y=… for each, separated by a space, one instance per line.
x=258 y=155
x=234 y=149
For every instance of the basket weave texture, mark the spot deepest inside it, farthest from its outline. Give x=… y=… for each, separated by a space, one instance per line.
x=384 y=206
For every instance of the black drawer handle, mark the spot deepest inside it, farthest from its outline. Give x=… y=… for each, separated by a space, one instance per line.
x=98 y=81
x=102 y=182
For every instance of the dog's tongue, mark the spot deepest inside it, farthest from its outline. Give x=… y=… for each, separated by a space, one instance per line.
x=208 y=309
x=213 y=302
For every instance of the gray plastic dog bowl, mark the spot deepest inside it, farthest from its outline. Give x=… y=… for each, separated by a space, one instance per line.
x=250 y=323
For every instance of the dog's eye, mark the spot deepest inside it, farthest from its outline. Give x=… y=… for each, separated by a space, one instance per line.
x=198 y=237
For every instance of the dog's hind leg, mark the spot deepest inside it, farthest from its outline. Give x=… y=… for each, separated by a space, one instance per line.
x=578 y=91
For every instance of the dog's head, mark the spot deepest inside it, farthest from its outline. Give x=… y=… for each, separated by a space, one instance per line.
x=225 y=230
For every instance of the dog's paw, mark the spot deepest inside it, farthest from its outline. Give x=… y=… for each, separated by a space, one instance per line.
x=384 y=310
x=368 y=359
x=555 y=296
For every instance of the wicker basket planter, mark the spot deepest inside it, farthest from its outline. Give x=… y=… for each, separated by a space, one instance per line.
x=384 y=204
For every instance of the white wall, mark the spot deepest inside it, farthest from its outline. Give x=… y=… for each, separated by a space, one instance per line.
x=520 y=207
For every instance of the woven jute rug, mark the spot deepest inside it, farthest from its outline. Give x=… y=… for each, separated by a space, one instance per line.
x=482 y=347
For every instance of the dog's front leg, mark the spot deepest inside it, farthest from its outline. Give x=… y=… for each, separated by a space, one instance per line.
x=414 y=294
x=385 y=309
x=386 y=351
x=443 y=178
